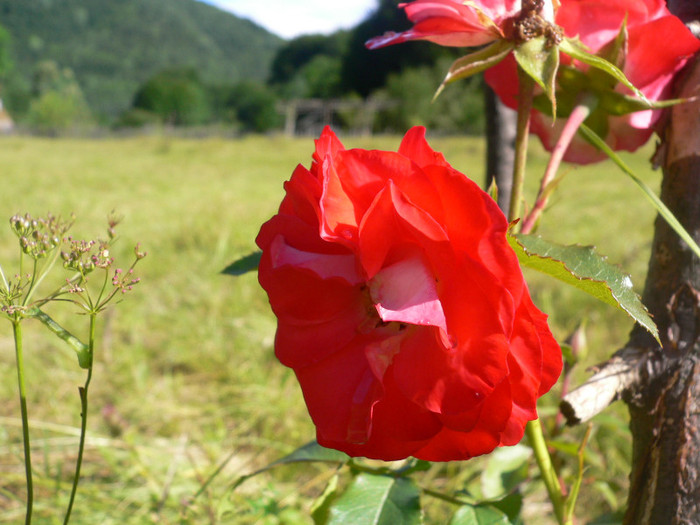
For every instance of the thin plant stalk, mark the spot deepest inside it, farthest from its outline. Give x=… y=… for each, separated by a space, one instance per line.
x=527 y=87
x=533 y=428
x=549 y=476
x=83 y=419
x=573 y=123
x=17 y=332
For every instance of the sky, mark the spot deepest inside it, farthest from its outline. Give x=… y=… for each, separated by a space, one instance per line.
x=291 y=18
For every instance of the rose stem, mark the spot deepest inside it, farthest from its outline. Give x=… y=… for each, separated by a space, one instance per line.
x=527 y=87
x=544 y=462
x=578 y=115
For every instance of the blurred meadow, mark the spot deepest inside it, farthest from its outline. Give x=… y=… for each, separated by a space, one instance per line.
x=187 y=395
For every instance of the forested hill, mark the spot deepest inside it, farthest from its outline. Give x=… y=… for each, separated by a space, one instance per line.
x=112 y=46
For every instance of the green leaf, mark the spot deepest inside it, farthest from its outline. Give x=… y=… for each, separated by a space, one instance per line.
x=476 y=62
x=541 y=62
x=81 y=349
x=578 y=51
x=511 y=505
x=243 y=265
x=479 y=515
x=312 y=451
x=507 y=467
x=378 y=500
x=663 y=210
x=320 y=510
x=584 y=269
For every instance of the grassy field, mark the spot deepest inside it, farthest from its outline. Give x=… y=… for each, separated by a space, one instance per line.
x=185 y=379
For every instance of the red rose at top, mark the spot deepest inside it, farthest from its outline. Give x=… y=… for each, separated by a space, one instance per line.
x=658 y=46
x=401 y=307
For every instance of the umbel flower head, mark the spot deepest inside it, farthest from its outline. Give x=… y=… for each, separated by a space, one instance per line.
x=401 y=307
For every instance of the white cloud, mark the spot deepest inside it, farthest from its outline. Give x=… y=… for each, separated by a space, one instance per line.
x=290 y=18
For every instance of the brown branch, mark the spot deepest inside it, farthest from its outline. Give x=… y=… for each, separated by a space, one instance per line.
x=610 y=381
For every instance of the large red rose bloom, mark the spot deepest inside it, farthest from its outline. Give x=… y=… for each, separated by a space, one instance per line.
x=401 y=307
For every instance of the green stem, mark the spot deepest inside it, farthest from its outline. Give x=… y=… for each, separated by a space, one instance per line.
x=527 y=87
x=17 y=332
x=83 y=419
x=44 y=272
x=549 y=475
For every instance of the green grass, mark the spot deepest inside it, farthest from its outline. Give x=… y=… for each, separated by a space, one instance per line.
x=185 y=379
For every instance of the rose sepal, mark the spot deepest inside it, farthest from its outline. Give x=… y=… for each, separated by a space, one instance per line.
x=540 y=60
x=476 y=62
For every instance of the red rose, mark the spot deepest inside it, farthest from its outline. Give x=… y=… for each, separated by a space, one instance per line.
x=401 y=307
x=659 y=45
x=454 y=22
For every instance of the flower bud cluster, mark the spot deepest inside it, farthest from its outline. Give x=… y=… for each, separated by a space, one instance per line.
x=38 y=237
x=85 y=256
x=124 y=281
x=10 y=296
x=112 y=221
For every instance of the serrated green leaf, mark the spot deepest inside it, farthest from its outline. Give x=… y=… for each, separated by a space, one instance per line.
x=378 y=500
x=243 y=265
x=506 y=468
x=578 y=51
x=479 y=515
x=541 y=62
x=320 y=510
x=581 y=267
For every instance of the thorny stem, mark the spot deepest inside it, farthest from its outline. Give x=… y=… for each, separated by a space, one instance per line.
x=578 y=115
x=527 y=87
x=17 y=332
x=549 y=476
x=83 y=418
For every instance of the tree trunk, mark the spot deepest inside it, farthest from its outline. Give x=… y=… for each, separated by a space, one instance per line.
x=664 y=401
x=500 y=146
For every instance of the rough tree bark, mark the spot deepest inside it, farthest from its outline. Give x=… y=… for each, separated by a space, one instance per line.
x=661 y=384
x=664 y=402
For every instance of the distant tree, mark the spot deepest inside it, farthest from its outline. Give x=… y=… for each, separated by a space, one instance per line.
x=310 y=66
x=57 y=102
x=458 y=109
x=253 y=105
x=363 y=70
x=318 y=78
x=176 y=96
x=6 y=63
x=14 y=89
x=299 y=51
